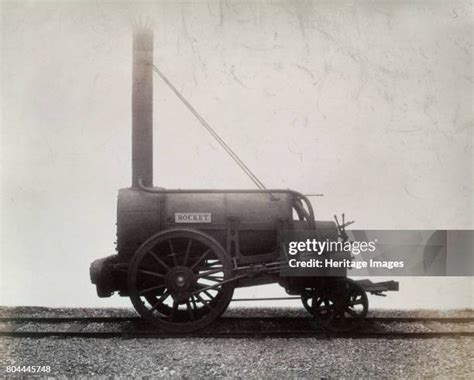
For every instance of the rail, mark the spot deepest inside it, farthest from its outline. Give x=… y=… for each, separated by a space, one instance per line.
x=227 y=327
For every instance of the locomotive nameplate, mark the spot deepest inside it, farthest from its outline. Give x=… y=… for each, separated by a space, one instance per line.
x=192 y=217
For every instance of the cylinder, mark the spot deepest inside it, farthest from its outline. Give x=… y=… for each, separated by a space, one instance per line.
x=142 y=107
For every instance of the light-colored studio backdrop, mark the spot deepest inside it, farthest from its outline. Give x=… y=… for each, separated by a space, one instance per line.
x=367 y=102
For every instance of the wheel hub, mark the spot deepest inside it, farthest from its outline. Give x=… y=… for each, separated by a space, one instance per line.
x=180 y=282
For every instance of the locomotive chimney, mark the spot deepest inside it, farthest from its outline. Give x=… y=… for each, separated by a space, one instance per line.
x=142 y=107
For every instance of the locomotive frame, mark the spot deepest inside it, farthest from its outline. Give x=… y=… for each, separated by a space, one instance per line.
x=181 y=253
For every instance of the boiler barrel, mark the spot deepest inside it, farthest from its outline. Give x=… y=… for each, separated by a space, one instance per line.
x=256 y=215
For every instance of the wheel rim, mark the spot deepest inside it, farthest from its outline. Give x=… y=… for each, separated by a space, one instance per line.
x=307 y=300
x=340 y=307
x=176 y=279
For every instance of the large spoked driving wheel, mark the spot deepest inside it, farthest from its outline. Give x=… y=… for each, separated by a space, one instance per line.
x=177 y=279
x=340 y=306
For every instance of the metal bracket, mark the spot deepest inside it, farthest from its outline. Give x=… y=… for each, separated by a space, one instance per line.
x=232 y=241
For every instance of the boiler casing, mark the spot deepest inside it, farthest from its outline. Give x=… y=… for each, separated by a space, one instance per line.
x=257 y=216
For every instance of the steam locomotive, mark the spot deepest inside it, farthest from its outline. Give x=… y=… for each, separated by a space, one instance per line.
x=181 y=253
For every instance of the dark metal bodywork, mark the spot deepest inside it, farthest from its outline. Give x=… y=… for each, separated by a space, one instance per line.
x=247 y=223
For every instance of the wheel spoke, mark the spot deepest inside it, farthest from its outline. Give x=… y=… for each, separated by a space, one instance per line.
x=200 y=259
x=151 y=273
x=173 y=254
x=211 y=278
x=158 y=260
x=202 y=287
x=162 y=299
x=215 y=264
x=356 y=298
x=193 y=303
x=190 y=310
x=208 y=294
x=141 y=292
x=327 y=305
x=173 y=310
x=200 y=299
x=187 y=252
x=208 y=272
x=209 y=287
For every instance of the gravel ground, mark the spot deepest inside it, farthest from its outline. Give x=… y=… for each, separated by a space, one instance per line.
x=235 y=358
x=254 y=358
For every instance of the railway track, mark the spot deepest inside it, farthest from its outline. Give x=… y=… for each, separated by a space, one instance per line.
x=228 y=327
x=268 y=319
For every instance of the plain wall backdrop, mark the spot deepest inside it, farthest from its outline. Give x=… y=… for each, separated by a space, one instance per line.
x=367 y=102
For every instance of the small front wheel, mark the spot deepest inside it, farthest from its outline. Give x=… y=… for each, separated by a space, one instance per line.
x=340 y=306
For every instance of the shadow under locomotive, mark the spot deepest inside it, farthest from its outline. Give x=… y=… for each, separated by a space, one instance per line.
x=181 y=253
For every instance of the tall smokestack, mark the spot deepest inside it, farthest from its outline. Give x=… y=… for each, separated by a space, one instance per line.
x=142 y=107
